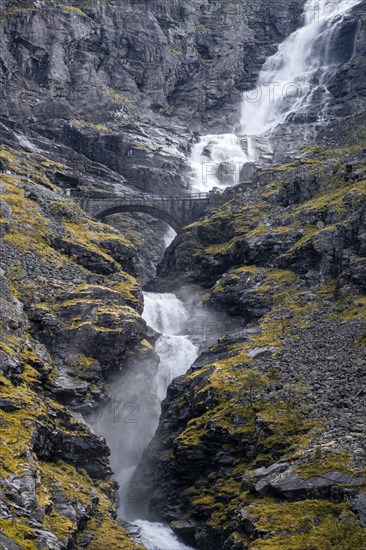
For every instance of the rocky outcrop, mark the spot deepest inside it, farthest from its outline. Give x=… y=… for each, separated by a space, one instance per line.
x=307 y=217
x=110 y=55
x=242 y=442
x=266 y=428
x=70 y=317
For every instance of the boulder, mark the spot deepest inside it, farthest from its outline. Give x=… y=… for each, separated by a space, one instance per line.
x=292 y=487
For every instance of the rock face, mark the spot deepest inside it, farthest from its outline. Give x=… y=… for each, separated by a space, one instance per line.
x=156 y=70
x=261 y=444
x=70 y=316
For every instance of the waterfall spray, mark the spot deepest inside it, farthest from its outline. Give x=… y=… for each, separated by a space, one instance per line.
x=292 y=84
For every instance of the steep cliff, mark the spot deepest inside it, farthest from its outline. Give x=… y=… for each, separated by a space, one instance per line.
x=70 y=317
x=125 y=83
x=262 y=443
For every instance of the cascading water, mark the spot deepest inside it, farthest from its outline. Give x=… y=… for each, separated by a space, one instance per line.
x=297 y=72
x=290 y=81
x=167 y=314
x=130 y=421
x=211 y=151
x=157 y=536
x=169 y=236
x=291 y=84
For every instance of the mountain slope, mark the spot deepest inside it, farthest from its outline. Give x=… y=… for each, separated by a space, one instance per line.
x=262 y=443
x=69 y=318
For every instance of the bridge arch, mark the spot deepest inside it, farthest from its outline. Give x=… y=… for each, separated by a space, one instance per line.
x=151 y=210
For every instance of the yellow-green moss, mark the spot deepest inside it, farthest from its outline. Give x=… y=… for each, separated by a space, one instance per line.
x=355 y=309
x=77 y=485
x=84 y=361
x=323 y=462
x=146 y=345
x=245 y=269
x=24 y=165
x=128 y=289
x=16 y=427
x=97 y=128
x=201 y=27
x=116 y=95
x=175 y=49
x=17 y=530
x=17 y=11
x=219 y=248
x=73 y=10
x=306 y=525
x=280 y=276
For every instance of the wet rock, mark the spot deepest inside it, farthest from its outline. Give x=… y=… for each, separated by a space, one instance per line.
x=184 y=529
x=258 y=352
x=8 y=544
x=8 y=405
x=239 y=292
x=124 y=255
x=358 y=505
x=89 y=453
x=85 y=257
x=292 y=487
x=91 y=330
x=47 y=539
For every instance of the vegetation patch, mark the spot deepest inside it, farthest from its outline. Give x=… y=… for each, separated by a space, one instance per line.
x=306 y=525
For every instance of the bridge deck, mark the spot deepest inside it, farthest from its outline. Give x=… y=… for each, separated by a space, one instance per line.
x=143 y=197
x=176 y=210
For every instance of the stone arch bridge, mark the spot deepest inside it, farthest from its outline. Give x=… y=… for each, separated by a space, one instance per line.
x=176 y=210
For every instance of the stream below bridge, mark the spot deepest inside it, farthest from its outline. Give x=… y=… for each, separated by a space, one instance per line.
x=305 y=60
x=129 y=422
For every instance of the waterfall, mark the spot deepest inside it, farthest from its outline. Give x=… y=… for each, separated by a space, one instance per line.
x=129 y=422
x=169 y=236
x=212 y=151
x=157 y=536
x=297 y=72
x=292 y=84
x=166 y=314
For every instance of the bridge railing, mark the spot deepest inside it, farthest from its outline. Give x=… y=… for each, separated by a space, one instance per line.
x=140 y=197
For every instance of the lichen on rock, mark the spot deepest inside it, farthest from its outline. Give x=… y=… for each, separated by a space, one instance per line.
x=260 y=444
x=68 y=319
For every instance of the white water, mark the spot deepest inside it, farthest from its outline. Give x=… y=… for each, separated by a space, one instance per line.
x=169 y=236
x=209 y=153
x=130 y=421
x=167 y=314
x=164 y=312
x=157 y=536
x=290 y=82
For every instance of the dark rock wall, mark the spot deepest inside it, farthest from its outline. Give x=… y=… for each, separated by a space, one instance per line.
x=125 y=83
x=267 y=427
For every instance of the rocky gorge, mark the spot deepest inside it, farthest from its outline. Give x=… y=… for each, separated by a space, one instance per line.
x=261 y=444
